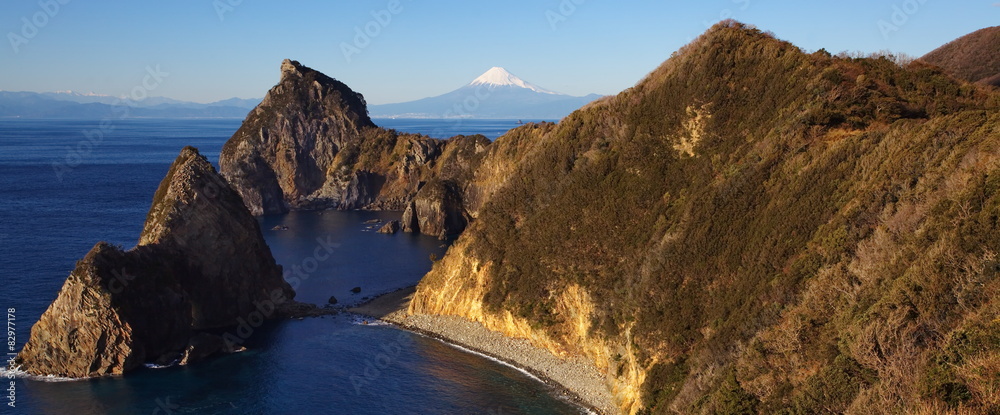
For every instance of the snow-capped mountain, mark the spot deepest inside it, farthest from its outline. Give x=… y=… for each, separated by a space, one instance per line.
x=497 y=77
x=496 y=93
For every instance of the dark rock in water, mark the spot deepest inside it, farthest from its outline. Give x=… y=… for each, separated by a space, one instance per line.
x=168 y=359
x=201 y=346
x=201 y=263
x=390 y=227
x=373 y=221
x=440 y=207
x=410 y=222
x=436 y=210
x=279 y=228
x=332 y=300
x=297 y=310
x=356 y=290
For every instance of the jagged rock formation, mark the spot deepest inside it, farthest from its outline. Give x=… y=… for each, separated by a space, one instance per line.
x=974 y=57
x=750 y=229
x=201 y=263
x=310 y=145
x=288 y=145
x=440 y=208
x=390 y=227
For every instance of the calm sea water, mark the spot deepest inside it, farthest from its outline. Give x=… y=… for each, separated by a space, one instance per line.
x=61 y=192
x=451 y=127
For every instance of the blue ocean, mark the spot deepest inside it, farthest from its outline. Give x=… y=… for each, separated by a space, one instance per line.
x=67 y=184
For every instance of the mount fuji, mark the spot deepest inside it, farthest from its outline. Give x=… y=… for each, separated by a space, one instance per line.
x=494 y=94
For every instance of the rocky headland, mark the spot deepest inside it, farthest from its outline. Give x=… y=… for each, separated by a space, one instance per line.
x=310 y=145
x=201 y=264
x=750 y=229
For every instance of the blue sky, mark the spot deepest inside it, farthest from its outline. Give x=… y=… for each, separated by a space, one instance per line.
x=217 y=49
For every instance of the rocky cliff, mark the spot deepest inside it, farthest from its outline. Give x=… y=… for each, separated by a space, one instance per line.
x=310 y=145
x=750 y=229
x=201 y=263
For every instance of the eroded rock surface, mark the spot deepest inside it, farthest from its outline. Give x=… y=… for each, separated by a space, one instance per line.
x=310 y=145
x=201 y=263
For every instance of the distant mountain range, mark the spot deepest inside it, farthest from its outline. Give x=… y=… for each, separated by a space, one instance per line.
x=495 y=94
x=69 y=104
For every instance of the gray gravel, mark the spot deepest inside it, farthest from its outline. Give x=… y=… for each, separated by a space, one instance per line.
x=575 y=376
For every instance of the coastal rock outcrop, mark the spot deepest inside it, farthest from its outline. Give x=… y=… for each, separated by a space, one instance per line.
x=439 y=207
x=436 y=210
x=283 y=152
x=310 y=145
x=390 y=227
x=201 y=264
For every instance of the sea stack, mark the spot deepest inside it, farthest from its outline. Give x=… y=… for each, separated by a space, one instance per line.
x=282 y=153
x=201 y=264
x=310 y=145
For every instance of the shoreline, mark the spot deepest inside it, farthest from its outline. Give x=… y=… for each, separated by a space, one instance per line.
x=575 y=380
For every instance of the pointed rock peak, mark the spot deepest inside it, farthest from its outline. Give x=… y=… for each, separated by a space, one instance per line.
x=191 y=178
x=303 y=89
x=188 y=152
x=294 y=70
x=201 y=263
x=291 y=68
x=730 y=32
x=497 y=77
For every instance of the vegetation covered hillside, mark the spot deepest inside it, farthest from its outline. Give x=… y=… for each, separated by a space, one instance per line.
x=974 y=57
x=754 y=229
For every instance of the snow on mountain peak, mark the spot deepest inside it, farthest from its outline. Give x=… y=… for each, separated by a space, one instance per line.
x=498 y=76
x=80 y=94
